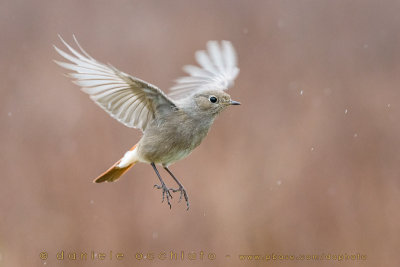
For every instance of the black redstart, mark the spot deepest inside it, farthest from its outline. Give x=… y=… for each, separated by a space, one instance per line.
x=171 y=128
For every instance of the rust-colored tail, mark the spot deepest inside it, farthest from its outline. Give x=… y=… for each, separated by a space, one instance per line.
x=114 y=172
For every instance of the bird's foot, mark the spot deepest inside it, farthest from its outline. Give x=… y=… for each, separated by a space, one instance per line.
x=165 y=193
x=183 y=193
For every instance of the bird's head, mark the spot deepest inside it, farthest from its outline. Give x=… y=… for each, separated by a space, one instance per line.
x=213 y=101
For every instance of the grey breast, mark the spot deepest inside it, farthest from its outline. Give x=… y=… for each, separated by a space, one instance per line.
x=173 y=136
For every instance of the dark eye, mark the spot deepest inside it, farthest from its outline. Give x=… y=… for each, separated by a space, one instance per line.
x=213 y=99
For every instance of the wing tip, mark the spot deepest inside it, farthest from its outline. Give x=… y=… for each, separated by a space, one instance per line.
x=217 y=62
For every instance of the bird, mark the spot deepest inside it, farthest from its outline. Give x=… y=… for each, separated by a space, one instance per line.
x=173 y=125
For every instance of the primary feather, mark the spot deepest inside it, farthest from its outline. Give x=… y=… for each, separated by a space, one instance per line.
x=218 y=70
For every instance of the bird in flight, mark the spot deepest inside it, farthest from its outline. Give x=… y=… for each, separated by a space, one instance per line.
x=172 y=125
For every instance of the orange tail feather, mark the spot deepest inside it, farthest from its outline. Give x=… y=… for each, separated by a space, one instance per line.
x=114 y=172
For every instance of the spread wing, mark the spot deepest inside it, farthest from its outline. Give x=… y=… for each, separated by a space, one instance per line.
x=129 y=100
x=218 y=70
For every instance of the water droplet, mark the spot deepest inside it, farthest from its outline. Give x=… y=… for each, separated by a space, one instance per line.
x=9 y=114
x=312 y=148
x=365 y=45
x=279 y=182
x=388 y=105
x=91 y=201
x=301 y=92
x=345 y=111
x=355 y=135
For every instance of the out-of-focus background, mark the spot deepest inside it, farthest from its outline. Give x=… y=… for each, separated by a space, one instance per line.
x=307 y=165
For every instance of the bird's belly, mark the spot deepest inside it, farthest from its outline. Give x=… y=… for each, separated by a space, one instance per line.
x=165 y=154
x=175 y=156
x=167 y=147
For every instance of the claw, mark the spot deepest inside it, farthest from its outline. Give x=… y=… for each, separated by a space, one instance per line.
x=165 y=192
x=184 y=194
x=181 y=188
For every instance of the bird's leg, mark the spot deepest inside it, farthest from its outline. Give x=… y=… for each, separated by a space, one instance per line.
x=165 y=190
x=181 y=188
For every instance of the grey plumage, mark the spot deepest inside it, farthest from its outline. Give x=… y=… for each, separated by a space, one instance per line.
x=173 y=136
x=172 y=128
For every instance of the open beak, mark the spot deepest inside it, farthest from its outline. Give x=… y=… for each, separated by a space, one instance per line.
x=234 y=102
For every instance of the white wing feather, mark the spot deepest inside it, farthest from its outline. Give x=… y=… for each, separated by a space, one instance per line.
x=130 y=100
x=218 y=70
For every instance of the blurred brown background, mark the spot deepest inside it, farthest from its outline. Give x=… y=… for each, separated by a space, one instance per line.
x=309 y=163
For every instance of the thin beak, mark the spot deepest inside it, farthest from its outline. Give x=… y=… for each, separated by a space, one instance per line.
x=234 y=102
